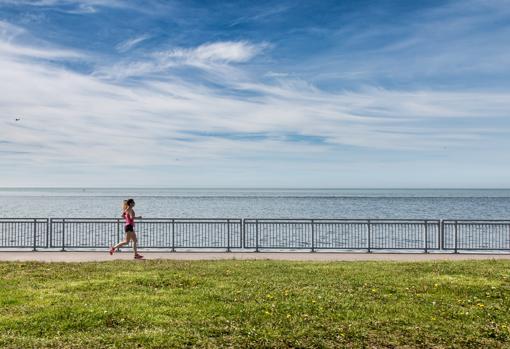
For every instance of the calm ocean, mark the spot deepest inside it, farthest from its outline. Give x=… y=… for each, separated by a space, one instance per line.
x=258 y=203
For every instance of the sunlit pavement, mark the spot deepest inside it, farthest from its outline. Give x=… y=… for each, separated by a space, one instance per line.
x=74 y=256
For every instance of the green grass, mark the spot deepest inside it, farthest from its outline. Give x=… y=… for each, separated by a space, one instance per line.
x=159 y=304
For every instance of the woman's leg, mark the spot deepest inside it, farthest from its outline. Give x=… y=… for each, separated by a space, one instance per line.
x=122 y=243
x=135 y=243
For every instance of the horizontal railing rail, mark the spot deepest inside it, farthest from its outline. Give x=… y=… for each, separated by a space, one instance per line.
x=256 y=234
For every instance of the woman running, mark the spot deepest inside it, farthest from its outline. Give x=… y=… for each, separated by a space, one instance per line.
x=129 y=215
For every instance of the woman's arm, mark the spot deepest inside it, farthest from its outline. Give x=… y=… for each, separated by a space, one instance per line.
x=132 y=214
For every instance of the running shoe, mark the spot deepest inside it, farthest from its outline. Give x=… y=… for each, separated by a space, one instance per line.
x=112 y=250
x=138 y=256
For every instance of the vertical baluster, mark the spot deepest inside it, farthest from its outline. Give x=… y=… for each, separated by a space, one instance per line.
x=173 y=235
x=63 y=233
x=256 y=235
x=456 y=234
x=426 y=233
x=228 y=233
x=369 y=233
x=313 y=236
x=35 y=235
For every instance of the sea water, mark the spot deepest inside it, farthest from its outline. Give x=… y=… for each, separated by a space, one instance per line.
x=257 y=203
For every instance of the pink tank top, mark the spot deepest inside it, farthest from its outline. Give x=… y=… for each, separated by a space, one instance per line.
x=129 y=220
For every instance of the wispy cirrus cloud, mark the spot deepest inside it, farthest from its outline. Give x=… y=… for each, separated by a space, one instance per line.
x=243 y=106
x=215 y=56
x=9 y=35
x=24 y=51
x=132 y=42
x=53 y=3
x=79 y=118
x=229 y=51
x=9 y=31
x=261 y=14
x=457 y=44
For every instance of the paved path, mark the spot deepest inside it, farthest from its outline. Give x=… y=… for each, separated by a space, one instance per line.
x=292 y=256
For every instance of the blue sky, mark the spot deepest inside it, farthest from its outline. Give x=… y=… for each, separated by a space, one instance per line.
x=255 y=93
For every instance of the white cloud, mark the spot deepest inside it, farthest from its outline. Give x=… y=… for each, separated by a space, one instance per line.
x=23 y=51
x=71 y=119
x=9 y=31
x=229 y=51
x=272 y=74
x=10 y=34
x=83 y=3
x=71 y=6
x=83 y=9
x=455 y=44
x=132 y=42
x=215 y=58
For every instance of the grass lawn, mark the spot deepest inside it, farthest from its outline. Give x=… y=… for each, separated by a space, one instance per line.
x=159 y=304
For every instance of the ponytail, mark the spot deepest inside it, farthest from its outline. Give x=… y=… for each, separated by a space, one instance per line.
x=125 y=206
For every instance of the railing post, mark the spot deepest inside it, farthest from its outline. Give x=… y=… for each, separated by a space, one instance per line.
x=47 y=232
x=173 y=235
x=35 y=234
x=456 y=235
x=256 y=235
x=63 y=233
x=509 y=232
x=369 y=250
x=118 y=230
x=426 y=233
x=313 y=236
x=228 y=235
x=441 y=234
x=51 y=232
x=243 y=232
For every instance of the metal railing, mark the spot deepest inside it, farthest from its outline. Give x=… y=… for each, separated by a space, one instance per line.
x=342 y=234
x=469 y=235
x=260 y=234
x=24 y=233
x=166 y=233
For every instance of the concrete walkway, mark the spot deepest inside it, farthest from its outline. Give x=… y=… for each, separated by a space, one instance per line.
x=291 y=256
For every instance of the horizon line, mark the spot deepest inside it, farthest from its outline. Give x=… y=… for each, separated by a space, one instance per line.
x=263 y=188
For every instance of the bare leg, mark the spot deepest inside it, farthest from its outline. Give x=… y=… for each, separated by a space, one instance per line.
x=122 y=243
x=135 y=244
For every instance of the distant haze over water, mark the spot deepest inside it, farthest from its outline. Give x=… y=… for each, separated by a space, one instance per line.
x=258 y=203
